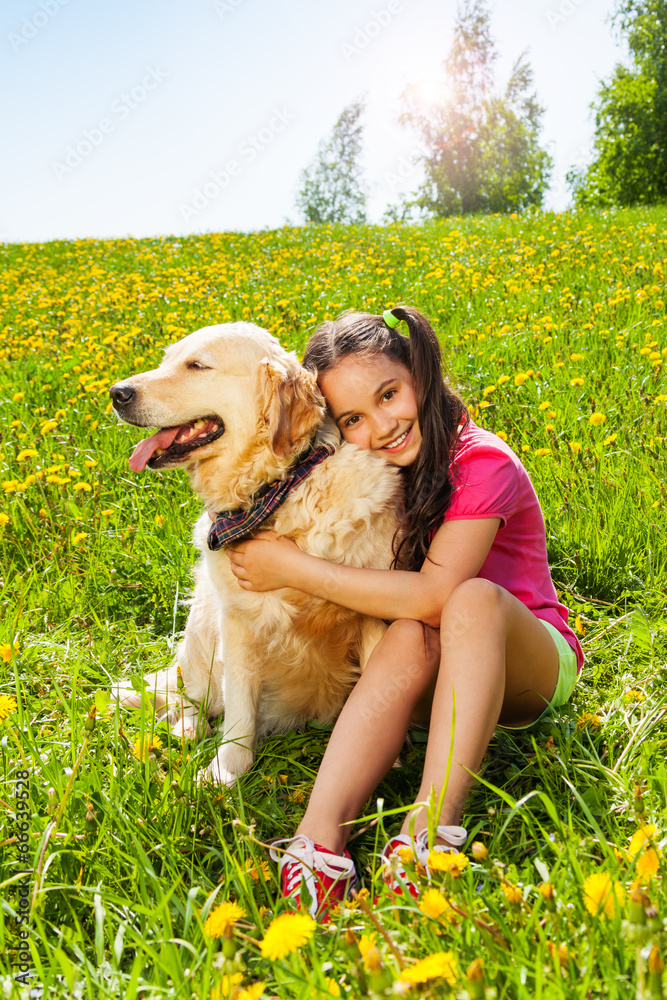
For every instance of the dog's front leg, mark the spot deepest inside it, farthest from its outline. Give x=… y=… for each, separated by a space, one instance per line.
x=241 y=693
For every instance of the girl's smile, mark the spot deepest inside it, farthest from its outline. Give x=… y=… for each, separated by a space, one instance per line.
x=373 y=403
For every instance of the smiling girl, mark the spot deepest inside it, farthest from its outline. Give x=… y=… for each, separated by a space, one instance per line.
x=474 y=613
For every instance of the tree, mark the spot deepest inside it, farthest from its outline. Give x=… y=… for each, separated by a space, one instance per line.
x=482 y=152
x=630 y=144
x=332 y=188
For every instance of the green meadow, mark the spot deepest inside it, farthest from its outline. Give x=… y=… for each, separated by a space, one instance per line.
x=115 y=864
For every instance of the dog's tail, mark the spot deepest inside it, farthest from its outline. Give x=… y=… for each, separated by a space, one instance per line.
x=161 y=687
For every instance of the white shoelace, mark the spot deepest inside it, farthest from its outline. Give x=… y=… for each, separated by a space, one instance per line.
x=306 y=862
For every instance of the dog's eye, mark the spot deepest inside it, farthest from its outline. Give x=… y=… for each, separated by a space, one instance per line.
x=197 y=366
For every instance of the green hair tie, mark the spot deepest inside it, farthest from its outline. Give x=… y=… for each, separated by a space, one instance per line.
x=390 y=319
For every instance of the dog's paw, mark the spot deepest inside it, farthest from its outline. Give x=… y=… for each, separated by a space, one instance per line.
x=126 y=695
x=230 y=763
x=192 y=729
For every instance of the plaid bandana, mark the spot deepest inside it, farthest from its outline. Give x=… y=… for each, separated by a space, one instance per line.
x=230 y=525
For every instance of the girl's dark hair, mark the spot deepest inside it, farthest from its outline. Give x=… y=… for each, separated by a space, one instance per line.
x=428 y=480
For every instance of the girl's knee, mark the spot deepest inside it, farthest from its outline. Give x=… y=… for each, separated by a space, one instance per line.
x=415 y=638
x=472 y=601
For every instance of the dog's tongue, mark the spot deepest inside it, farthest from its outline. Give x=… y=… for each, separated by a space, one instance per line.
x=145 y=450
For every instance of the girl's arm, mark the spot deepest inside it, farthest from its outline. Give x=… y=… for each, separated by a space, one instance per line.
x=457 y=553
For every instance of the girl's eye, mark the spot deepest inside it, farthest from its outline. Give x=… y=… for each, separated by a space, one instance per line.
x=389 y=393
x=349 y=423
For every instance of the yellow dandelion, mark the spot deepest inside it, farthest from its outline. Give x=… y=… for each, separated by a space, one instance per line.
x=576 y=357
x=648 y=864
x=479 y=851
x=286 y=934
x=441 y=965
x=17 y=397
x=602 y=896
x=560 y=951
x=90 y=463
x=502 y=379
x=502 y=435
x=488 y=390
x=369 y=952
x=331 y=986
x=520 y=378
x=542 y=451
x=8 y=705
x=610 y=439
x=447 y=861
x=6 y=651
x=222 y=919
x=106 y=513
x=227 y=986
x=82 y=486
x=261 y=871
x=596 y=419
x=26 y=453
x=576 y=381
x=433 y=904
x=588 y=720
x=9 y=485
x=251 y=992
x=405 y=855
x=546 y=890
x=545 y=405
x=48 y=426
x=512 y=893
x=575 y=447
x=4 y=519
x=144 y=745
x=79 y=537
x=641 y=838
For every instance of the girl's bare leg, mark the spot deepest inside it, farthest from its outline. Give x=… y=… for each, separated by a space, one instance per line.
x=370 y=730
x=501 y=665
x=500 y=661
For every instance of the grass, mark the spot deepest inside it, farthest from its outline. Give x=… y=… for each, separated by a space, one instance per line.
x=547 y=322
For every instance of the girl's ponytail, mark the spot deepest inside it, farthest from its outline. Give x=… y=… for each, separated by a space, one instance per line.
x=428 y=479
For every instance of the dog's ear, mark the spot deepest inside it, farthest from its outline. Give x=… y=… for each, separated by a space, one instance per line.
x=293 y=405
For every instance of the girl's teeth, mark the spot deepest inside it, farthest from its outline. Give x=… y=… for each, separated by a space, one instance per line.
x=397 y=441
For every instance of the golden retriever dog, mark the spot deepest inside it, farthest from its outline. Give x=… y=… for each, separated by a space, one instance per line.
x=237 y=411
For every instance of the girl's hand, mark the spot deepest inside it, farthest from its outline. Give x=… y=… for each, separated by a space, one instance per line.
x=264 y=562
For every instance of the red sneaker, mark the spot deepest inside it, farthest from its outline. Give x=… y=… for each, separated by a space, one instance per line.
x=417 y=855
x=399 y=852
x=313 y=875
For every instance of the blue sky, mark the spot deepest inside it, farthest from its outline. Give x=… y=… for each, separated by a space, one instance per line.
x=147 y=117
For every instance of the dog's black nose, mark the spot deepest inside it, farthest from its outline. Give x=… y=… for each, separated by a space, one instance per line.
x=121 y=393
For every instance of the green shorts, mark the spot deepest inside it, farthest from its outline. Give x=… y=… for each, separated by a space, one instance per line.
x=567 y=675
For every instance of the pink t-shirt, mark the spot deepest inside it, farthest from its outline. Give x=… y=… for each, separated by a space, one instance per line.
x=490 y=481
